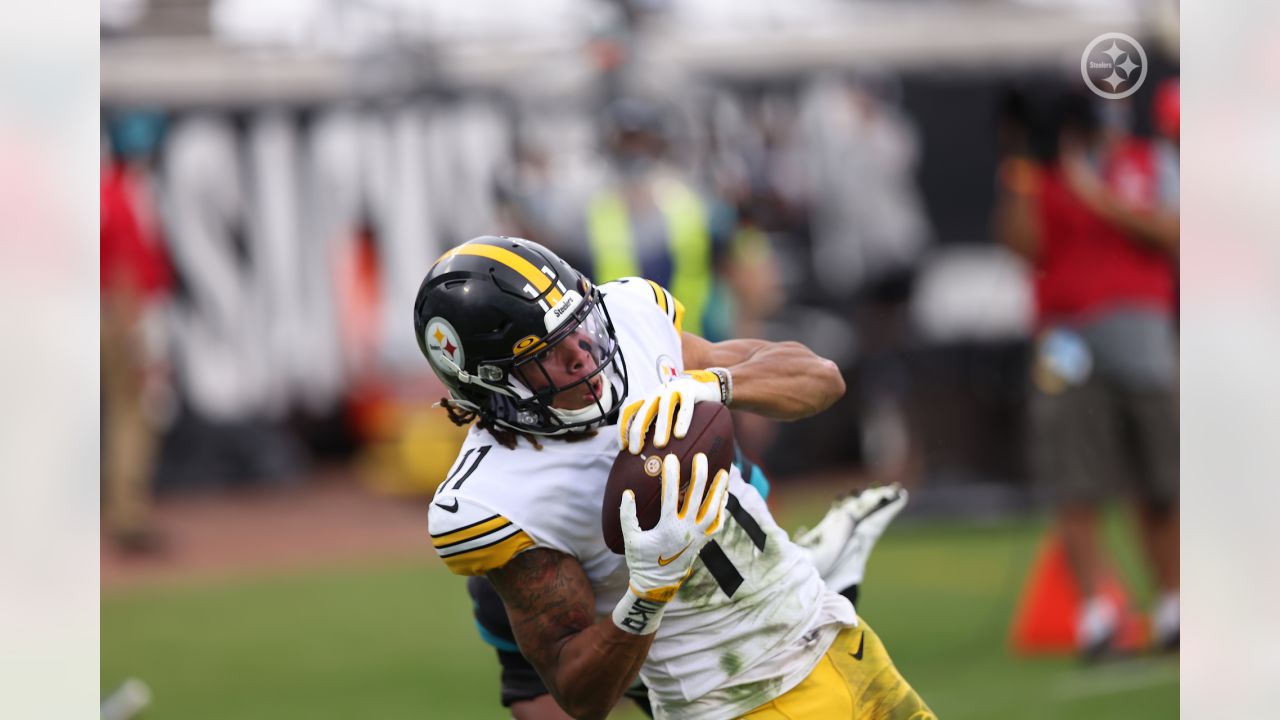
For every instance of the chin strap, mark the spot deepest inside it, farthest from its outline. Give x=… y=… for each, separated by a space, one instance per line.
x=576 y=416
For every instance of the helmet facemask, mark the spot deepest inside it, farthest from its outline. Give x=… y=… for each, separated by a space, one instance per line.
x=528 y=392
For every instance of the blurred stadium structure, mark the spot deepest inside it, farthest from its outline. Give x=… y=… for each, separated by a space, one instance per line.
x=300 y=164
x=314 y=157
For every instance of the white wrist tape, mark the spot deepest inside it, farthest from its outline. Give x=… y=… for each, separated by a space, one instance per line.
x=637 y=615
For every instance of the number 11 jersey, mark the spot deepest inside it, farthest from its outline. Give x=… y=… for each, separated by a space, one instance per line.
x=752 y=620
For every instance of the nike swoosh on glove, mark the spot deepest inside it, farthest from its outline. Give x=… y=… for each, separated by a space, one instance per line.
x=661 y=559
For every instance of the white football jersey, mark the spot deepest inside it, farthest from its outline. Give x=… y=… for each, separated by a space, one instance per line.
x=752 y=620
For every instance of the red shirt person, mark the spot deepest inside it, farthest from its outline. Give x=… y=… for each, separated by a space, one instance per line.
x=1088 y=262
x=135 y=276
x=1099 y=226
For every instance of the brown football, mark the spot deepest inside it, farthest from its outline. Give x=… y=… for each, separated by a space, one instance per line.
x=711 y=432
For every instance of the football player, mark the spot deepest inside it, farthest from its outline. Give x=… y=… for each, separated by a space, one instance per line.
x=715 y=608
x=839 y=546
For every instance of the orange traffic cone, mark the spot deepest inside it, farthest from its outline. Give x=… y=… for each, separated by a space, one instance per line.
x=1045 y=621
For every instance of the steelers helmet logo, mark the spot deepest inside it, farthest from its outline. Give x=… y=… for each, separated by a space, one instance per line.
x=652 y=465
x=443 y=344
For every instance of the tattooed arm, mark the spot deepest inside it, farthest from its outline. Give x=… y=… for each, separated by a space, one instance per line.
x=586 y=664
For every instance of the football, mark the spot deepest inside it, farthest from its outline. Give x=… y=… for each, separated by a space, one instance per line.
x=711 y=432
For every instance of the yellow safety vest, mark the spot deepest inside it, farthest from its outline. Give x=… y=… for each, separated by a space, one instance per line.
x=689 y=241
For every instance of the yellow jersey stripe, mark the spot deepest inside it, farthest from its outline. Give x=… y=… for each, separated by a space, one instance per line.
x=536 y=277
x=480 y=560
x=454 y=543
x=679 y=321
x=660 y=295
x=468 y=532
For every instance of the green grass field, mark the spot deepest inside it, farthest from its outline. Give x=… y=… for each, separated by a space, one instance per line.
x=397 y=640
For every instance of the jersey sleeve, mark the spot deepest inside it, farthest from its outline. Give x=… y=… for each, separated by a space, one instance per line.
x=470 y=538
x=655 y=293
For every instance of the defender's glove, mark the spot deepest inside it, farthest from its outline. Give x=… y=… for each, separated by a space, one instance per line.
x=661 y=559
x=695 y=386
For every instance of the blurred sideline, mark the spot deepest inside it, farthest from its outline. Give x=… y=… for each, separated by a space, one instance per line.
x=332 y=519
x=328 y=521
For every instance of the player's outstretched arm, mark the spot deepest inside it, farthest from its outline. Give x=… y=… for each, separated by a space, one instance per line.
x=587 y=665
x=780 y=380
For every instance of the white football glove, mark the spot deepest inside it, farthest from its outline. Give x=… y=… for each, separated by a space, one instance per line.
x=661 y=559
x=672 y=407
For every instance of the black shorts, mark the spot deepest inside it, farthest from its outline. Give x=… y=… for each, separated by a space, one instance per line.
x=519 y=680
x=1111 y=421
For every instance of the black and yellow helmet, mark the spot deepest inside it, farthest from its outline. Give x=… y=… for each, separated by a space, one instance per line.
x=488 y=314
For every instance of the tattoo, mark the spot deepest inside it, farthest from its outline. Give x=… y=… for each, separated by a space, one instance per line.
x=548 y=599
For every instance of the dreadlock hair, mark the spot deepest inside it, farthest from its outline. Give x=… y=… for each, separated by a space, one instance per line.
x=505 y=437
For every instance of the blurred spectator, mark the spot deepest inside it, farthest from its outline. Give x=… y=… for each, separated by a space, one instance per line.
x=1095 y=217
x=1165 y=149
x=869 y=231
x=135 y=280
x=868 y=215
x=754 y=169
x=652 y=221
x=524 y=191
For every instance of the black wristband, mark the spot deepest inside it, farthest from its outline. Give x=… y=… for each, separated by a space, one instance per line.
x=726 y=383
